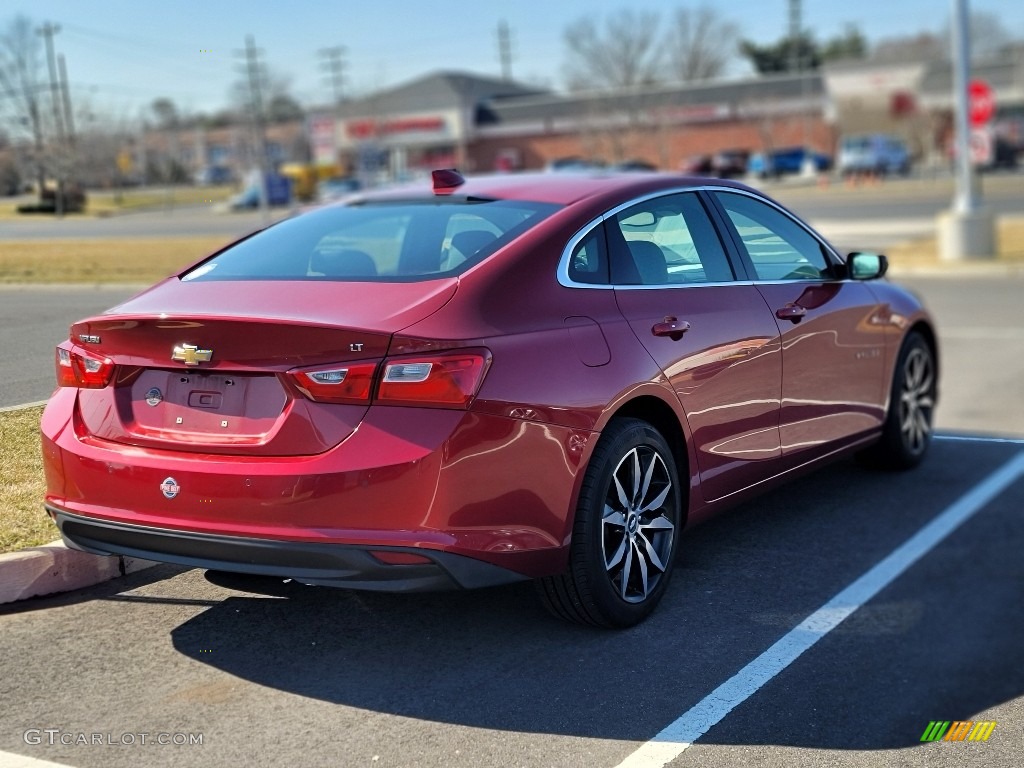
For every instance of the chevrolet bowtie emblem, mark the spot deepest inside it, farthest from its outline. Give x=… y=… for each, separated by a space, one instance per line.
x=190 y=354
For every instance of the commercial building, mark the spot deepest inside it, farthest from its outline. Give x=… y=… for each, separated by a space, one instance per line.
x=479 y=123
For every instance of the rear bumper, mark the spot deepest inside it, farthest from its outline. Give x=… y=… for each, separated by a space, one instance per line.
x=474 y=486
x=335 y=565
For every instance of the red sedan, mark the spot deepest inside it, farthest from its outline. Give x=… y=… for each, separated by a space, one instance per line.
x=493 y=379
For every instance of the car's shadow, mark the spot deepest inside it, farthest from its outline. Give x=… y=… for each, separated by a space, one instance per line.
x=494 y=659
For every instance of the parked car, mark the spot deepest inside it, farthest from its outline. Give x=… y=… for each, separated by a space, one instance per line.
x=730 y=163
x=214 y=174
x=876 y=153
x=640 y=166
x=786 y=161
x=573 y=163
x=73 y=199
x=336 y=187
x=1005 y=155
x=278 y=187
x=481 y=381
x=697 y=165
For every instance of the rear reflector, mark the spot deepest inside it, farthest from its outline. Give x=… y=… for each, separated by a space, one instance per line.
x=400 y=558
x=78 y=368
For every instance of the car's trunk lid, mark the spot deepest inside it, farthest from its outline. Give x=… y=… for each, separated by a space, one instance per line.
x=202 y=367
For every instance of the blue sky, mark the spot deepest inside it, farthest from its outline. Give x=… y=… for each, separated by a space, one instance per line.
x=121 y=54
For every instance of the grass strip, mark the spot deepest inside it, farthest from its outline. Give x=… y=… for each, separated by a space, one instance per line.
x=23 y=523
x=112 y=202
x=925 y=251
x=108 y=260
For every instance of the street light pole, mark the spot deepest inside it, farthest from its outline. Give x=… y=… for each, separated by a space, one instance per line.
x=966 y=198
x=967 y=230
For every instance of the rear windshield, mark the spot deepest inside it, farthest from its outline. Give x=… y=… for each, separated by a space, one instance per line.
x=380 y=241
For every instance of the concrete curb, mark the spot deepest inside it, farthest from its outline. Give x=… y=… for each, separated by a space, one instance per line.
x=54 y=568
x=22 y=407
x=956 y=269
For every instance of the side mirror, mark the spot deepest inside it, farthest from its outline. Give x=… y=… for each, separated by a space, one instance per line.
x=866 y=266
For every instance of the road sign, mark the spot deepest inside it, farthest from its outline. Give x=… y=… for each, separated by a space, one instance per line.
x=982 y=102
x=124 y=161
x=982 y=146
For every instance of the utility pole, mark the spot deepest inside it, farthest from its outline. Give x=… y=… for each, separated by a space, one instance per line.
x=47 y=31
x=794 y=36
x=334 y=64
x=69 y=117
x=253 y=70
x=505 y=49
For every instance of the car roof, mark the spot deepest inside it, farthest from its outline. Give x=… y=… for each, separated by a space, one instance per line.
x=560 y=188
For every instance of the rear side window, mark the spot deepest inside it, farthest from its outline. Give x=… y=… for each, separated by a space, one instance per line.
x=778 y=246
x=392 y=241
x=589 y=260
x=666 y=241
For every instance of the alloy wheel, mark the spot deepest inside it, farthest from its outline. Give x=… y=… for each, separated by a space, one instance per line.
x=917 y=400
x=637 y=527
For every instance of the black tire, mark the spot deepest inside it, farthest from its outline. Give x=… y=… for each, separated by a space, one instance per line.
x=907 y=432
x=623 y=532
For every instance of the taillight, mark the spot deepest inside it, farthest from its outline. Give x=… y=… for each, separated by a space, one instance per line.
x=337 y=384
x=443 y=380
x=78 y=368
x=437 y=381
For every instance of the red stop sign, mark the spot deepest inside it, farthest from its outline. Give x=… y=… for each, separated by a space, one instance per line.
x=982 y=102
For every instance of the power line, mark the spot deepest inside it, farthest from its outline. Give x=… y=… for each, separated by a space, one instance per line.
x=146 y=42
x=168 y=58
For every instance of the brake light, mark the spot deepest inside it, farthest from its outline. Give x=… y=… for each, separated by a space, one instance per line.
x=437 y=381
x=78 y=368
x=444 y=380
x=338 y=384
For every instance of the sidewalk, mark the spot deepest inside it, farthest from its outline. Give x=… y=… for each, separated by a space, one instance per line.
x=912 y=248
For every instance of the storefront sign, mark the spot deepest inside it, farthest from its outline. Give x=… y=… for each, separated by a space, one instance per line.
x=322 y=139
x=368 y=129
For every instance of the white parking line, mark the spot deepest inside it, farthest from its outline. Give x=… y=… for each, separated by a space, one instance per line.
x=699 y=719
x=980 y=439
x=11 y=760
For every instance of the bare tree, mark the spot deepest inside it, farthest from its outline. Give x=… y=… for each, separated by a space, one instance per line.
x=166 y=113
x=924 y=46
x=276 y=96
x=700 y=43
x=624 y=53
x=22 y=86
x=988 y=34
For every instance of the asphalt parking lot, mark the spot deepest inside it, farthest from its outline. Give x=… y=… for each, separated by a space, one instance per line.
x=268 y=674
x=287 y=674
